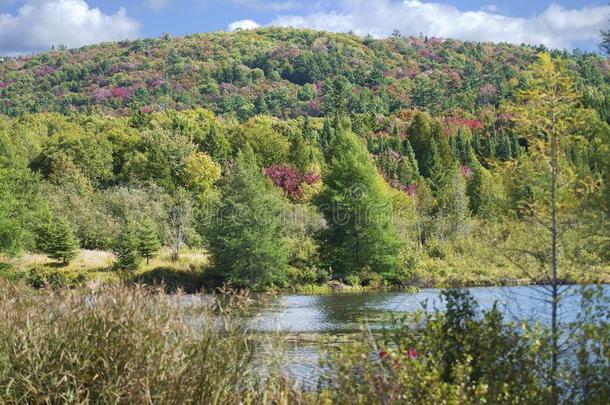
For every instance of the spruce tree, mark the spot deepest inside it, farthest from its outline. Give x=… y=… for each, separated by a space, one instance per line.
x=360 y=234
x=149 y=243
x=395 y=141
x=435 y=170
x=247 y=237
x=62 y=244
x=454 y=201
x=515 y=147
x=504 y=149
x=299 y=153
x=408 y=169
x=127 y=250
x=216 y=144
x=419 y=136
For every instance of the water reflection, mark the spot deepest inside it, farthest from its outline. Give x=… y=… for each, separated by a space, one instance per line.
x=347 y=312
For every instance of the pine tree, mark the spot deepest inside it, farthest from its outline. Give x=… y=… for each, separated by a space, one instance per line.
x=360 y=234
x=62 y=244
x=127 y=251
x=419 y=136
x=216 y=144
x=149 y=243
x=476 y=143
x=481 y=191
x=408 y=169
x=515 y=147
x=327 y=136
x=299 y=153
x=247 y=239
x=492 y=142
x=504 y=148
x=435 y=171
x=395 y=142
x=454 y=201
x=442 y=143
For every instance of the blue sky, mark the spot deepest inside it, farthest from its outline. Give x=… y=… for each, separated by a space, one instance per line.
x=35 y=25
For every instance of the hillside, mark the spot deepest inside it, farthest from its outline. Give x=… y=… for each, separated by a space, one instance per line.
x=280 y=72
x=290 y=158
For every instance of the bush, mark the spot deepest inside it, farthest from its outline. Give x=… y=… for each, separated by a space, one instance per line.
x=459 y=355
x=171 y=279
x=40 y=277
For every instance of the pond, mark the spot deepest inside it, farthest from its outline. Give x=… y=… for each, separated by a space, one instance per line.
x=303 y=317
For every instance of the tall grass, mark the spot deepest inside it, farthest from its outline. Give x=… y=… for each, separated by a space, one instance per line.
x=128 y=345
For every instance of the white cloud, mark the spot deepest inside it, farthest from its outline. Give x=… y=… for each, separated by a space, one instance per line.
x=556 y=27
x=260 y=5
x=156 y=5
x=243 y=24
x=39 y=24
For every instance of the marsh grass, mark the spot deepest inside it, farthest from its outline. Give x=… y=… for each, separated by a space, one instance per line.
x=114 y=344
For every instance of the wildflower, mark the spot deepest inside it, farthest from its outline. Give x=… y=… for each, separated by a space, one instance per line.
x=412 y=353
x=383 y=354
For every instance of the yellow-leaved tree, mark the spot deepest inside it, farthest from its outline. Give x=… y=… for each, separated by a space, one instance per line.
x=549 y=185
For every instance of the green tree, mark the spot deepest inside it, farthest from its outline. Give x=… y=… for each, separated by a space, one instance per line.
x=454 y=201
x=61 y=244
x=19 y=207
x=419 y=136
x=247 y=237
x=127 y=249
x=149 y=243
x=360 y=234
x=435 y=170
x=216 y=144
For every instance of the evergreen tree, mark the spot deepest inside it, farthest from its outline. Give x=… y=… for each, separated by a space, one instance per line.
x=491 y=144
x=504 y=147
x=360 y=234
x=127 y=250
x=62 y=244
x=442 y=143
x=476 y=143
x=408 y=169
x=216 y=144
x=462 y=145
x=149 y=241
x=299 y=153
x=310 y=136
x=327 y=136
x=419 y=136
x=515 y=147
x=435 y=171
x=454 y=201
x=395 y=142
x=247 y=238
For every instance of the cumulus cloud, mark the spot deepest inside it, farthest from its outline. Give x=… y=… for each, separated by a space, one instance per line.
x=243 y=24
x=556 y=27
x=39 y=24
x=260 y=5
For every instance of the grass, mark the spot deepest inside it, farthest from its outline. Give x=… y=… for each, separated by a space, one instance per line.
x=137 y=345
x=450 y=263
x=113 y=344
x=94 y=266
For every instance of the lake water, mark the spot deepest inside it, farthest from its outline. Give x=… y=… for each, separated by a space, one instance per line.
x=302 y=316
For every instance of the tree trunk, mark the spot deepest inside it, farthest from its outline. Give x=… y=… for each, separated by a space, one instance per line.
x=554 y=287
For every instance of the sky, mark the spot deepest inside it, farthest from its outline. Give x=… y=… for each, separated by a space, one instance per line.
x=28 y=26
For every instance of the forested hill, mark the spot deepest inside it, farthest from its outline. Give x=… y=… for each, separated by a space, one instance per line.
x=281 y=72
